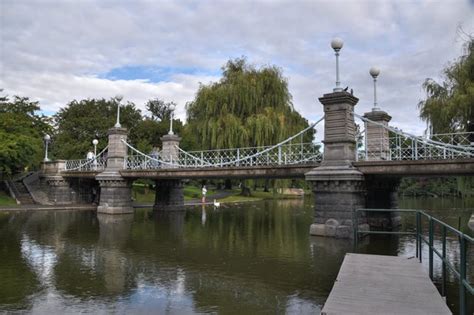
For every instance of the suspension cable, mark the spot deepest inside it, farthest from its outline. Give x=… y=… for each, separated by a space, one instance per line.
x=89 y=161
x=255 y=154
x=437 y=144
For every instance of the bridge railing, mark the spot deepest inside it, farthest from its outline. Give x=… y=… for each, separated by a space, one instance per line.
x=142 y=162
x=460 y=138
x=399 y=148
x=97 y=163
x=389 y=143
x=287 y=154
x=86 y=165
x=433 y=233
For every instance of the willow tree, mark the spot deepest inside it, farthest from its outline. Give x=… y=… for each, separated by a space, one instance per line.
x=248 y=106
x=449 y=105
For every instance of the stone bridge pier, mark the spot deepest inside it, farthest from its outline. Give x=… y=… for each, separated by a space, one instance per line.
x=169 y=195
x=60 y=190
x=115 y=191
x=338 y=187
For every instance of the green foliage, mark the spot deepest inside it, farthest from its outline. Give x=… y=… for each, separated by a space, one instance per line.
x=81 y=121
x=6 y=200
x=159 y=109
x=247 y=107
x=450 y=104
x=21 y=134
x=437 y=187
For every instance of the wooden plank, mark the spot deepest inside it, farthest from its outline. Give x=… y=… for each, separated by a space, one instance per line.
x=375 y=284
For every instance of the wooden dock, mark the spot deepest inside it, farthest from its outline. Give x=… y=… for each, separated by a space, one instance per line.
x=375 y=284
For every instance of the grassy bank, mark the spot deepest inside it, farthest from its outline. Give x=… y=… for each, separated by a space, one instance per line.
x=144 y=194
x=255 y=196
x=6 y=200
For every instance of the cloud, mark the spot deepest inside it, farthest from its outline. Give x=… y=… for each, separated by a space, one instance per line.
x=57 y=51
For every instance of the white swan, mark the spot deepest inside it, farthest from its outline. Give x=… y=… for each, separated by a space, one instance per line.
x=216 y=204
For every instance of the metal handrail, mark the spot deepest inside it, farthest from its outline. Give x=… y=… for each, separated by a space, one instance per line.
x=461 y=274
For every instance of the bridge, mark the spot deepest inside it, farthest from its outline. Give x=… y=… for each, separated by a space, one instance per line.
x=349 y=169
x=358 y=164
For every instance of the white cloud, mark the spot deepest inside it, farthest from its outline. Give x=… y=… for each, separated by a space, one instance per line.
x=56 y=51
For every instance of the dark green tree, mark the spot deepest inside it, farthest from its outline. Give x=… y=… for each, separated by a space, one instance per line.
x=21 y=134
x=80 y=122
x=159 y=109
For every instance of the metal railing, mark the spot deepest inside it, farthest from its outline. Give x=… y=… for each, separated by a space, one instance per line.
x=96 y=163
x=86 y=165
x=461 y=274
x=400 y=148
x=288 y=154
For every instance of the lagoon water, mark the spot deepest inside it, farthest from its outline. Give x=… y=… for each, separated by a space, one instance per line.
x=249 y=258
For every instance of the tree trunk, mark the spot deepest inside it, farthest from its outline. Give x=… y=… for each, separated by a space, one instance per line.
x=265 y=186
x=245 y=190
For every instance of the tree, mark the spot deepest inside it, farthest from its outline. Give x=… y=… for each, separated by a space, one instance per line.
x=21 y=134
x=247 y=107
x=449 y=105
x=159 y=109
x=80 y=122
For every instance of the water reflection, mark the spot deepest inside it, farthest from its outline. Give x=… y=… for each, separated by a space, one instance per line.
x=247 y=258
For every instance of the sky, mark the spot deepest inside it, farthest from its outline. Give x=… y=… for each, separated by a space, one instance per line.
x=57 y=51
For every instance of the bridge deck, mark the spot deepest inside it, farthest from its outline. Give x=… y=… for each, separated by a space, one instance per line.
x=374 y=284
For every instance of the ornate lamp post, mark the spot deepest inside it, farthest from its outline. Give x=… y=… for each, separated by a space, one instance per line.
x=172 y=108
x=374 y=72
x=47 y=139
x=95 y=142
x=337 y=44
x=118 y=98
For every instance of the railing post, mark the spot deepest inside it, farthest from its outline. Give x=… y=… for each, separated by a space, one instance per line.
x=286 y=160
x=444 y=274
x=355 y=228
x=462 y=276
x=419 y=232
x=417 y=218
x=202 y=158
x=238 y=156
x=279 y=155
x=416 y=150
x=431 y=232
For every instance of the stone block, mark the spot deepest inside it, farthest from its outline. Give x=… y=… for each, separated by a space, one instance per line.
x=344 y=231
x=364 y=227
x=331 y=230
x=317 y=229
x=332 y=222
x=347 y=222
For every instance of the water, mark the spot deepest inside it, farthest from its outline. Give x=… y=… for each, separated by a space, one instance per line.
x=249 y=258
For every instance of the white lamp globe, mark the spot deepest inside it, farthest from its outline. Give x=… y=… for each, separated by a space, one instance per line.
x=47 y=137
x=95 y=142
x=337 y=43
x=374 y=72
